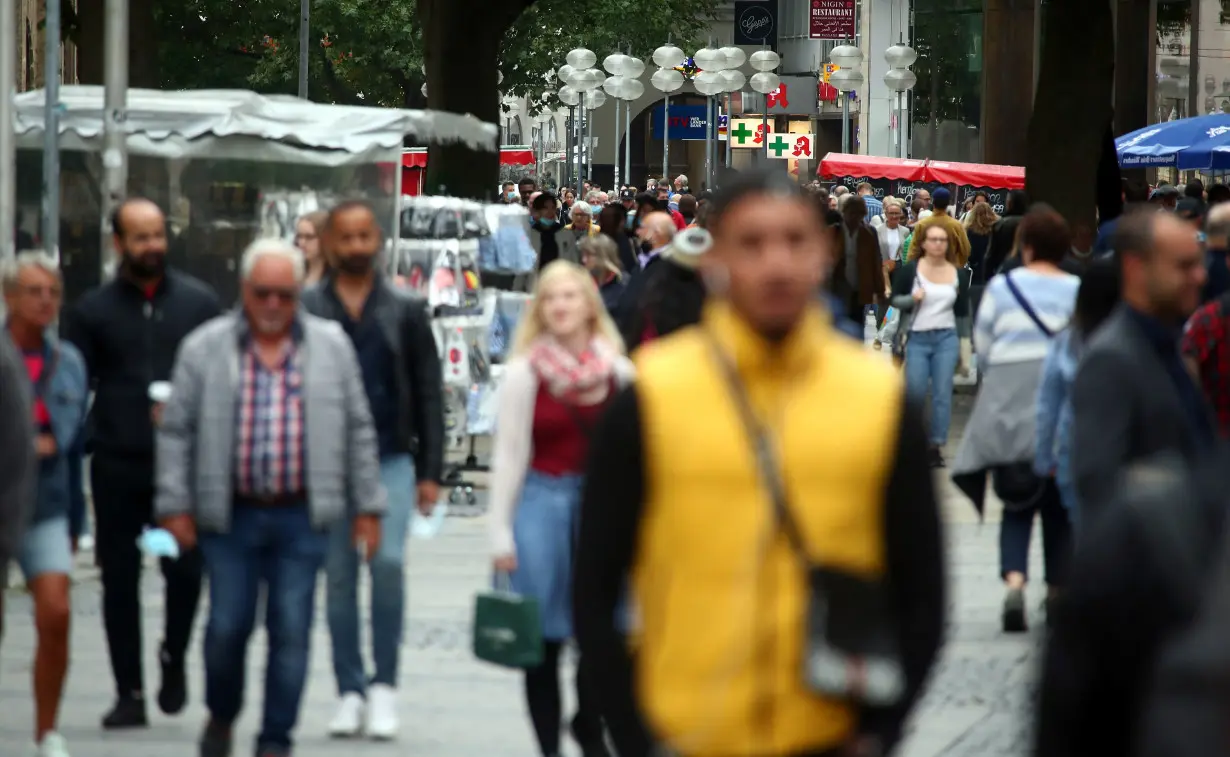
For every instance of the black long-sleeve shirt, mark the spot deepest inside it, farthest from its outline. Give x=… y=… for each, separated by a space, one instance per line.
x=611 y=511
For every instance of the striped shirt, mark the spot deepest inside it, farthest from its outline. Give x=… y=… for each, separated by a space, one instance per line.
x=1004 y=332
x=269 y=449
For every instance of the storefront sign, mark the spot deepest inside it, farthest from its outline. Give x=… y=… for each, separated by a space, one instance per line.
x=832 y=19
x=791 y=146
x=748 y=132
x=756 y=22
x=687 y=121
x=796 y=96
x=996 y=197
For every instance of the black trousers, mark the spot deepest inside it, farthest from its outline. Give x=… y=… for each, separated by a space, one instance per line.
x=542 y=695
x=123 y=490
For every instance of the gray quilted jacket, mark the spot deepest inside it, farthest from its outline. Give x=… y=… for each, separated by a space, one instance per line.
x=196 y=441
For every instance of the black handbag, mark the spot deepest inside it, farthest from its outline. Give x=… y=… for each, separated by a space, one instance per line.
x=1017 y=486
x=851 y=650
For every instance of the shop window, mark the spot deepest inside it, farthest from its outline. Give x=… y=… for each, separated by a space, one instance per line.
x=947 y=101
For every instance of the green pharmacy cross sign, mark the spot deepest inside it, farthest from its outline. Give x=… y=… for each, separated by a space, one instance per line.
x=779 y=146
x=741 y=133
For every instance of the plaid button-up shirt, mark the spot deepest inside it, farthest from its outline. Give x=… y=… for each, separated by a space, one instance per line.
x=269 y=450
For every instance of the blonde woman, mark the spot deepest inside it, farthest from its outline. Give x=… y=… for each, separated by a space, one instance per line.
x=601 y=258
x=308 y=231
x=933 y=293
x=566 y=363
x=979 y=223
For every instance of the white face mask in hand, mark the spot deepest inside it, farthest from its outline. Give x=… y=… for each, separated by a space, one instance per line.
x=428 y=526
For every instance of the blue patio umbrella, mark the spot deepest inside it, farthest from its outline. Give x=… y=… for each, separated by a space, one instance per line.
x=1201 y=143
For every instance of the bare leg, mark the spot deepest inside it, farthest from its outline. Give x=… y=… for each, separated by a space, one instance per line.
x=51 y=618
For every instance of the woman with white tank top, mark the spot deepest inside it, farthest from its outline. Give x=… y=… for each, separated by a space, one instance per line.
x=933 y=292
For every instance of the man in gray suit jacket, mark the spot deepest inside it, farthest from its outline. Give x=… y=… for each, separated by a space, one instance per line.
x=265 y=442
x=17 y=459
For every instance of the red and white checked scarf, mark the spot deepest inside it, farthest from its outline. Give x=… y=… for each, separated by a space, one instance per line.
x=568 y=376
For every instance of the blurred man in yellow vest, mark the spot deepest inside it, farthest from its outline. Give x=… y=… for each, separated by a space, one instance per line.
x=763 y=486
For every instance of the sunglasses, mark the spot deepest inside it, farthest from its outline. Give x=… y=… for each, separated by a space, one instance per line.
x=284 y=296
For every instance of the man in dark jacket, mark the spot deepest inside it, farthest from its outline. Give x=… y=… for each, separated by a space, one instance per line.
x=129 y=330
x=402 y=375
x=1135 y=582
x=1160 y=407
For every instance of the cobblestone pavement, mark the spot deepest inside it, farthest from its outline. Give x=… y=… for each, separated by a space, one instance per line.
x=976 y=705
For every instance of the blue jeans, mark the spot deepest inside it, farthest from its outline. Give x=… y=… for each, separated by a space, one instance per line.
x=1016 y=530
x=277 y=546
x=388 y=585
x=931 y=358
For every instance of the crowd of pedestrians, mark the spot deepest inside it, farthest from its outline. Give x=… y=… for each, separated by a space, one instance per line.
x=679 y=350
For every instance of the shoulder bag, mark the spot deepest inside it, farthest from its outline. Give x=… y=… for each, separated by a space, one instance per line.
x=850 y=648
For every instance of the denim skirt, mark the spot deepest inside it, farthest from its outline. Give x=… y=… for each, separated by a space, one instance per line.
x=544 y=532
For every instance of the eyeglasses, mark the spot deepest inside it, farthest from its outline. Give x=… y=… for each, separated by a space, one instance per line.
x=284 y=296
x=304 y=237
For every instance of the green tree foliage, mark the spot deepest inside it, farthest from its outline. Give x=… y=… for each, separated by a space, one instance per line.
x=371 y=51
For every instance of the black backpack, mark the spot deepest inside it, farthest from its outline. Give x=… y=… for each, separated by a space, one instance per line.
x=1186 y=710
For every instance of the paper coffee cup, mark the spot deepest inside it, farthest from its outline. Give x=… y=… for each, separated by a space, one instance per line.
x=160 y=392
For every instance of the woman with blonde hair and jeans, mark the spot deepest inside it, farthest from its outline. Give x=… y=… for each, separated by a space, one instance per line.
x=566 y=363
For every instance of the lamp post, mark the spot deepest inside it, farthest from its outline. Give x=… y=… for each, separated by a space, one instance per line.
x=764 y=81
x=594 y=99
x=570 y=97
x=709 y=82
x=900 y=79
x=847 y=78
x=666 y=80
x=614 y=65
x=583 y=78
x=541 y=118
x=631 y=90
x=735 y=81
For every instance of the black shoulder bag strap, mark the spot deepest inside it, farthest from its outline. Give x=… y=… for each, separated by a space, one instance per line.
x=1029 y=309
x=762 y=447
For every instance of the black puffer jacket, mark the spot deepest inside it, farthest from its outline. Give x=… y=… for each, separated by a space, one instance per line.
x=129 y=340
x=420 y=393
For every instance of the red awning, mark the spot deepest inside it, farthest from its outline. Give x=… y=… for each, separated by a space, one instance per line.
x=976 y=174
x=515 y=156
x=837 y=164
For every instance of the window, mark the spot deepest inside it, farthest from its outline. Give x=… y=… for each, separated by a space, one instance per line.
x=947 y=101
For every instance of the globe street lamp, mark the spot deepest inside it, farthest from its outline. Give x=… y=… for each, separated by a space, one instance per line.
x=594 y=99
x=764 y=81
x=900 y=79
x=631 y=90
x=666 y=80
x=847 y=78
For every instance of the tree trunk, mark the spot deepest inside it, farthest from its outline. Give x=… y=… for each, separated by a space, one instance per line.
x=461 y=50
x=143 y=68
x=1135 y=62
x=1008 y=98
x=1072 y=109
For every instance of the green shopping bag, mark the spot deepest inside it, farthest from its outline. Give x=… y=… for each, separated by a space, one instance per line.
x=507 y=628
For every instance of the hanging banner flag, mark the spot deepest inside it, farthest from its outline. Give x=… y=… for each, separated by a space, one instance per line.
x=832 y=19
x=748 y=132
x=792 y=146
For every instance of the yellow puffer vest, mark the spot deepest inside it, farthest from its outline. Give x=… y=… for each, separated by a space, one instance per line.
x=721 y=595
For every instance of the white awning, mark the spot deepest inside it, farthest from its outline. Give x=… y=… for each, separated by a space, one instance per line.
x=241 y=125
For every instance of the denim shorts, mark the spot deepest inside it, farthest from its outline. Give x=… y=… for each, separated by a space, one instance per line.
x=46 y=548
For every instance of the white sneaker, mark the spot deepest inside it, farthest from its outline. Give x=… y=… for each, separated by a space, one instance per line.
x=52 y=745
x=382 y=722
x=348 y=722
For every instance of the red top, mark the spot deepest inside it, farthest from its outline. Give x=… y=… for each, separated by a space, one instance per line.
x=561 y=434
x=34 y=368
